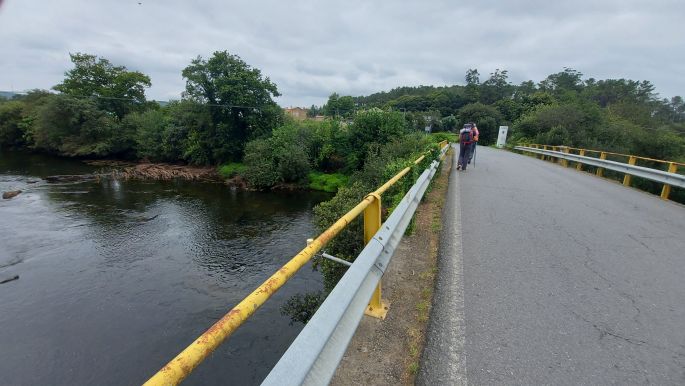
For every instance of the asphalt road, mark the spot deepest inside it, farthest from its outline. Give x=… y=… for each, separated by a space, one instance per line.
x=556 y=277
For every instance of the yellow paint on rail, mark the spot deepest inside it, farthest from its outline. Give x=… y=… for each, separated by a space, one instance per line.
x=185 y=362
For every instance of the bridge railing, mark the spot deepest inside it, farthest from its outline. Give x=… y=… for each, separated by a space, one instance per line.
x=564 y=154
x=185 y=362
x=316 y=352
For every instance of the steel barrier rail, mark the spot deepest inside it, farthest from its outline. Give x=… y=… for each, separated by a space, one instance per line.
x=314 y=355
x=185 y=362
x=666 y=178
x=583 y=151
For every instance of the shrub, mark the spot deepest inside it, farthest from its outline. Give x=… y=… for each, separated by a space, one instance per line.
x=327 y=182
x=231 y=169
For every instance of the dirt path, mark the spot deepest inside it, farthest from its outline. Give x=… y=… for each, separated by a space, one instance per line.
x=387 y=352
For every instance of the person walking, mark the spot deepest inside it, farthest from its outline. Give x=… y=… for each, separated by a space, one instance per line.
x=476 y=134
x=465 y=143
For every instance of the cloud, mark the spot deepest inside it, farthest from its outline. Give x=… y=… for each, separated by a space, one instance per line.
x=311 y=49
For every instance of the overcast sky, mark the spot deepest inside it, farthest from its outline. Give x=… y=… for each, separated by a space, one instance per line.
x=312 y=48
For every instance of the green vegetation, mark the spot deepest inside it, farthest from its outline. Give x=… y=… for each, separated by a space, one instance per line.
x=231 y=169
x=101 y=111
x=228 y=117
x=327 y=182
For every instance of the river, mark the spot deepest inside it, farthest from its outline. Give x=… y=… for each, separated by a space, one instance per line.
x=116 y=278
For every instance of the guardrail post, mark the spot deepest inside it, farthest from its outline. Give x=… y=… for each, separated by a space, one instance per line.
x=666 y=190
x=542 y=156
x=579 y=166
x=372 y=223
x=600 y=171
x=626 y=179
x=564 y=162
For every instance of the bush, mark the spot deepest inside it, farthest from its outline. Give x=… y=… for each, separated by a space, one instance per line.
x=283 y=158
x=11 y=132
x=259 y=164
x=327 y=182
x=370 y=127
x=149 y=130
x=231 y=169
x=383 y=162
x=74 y=127
x=301 y=307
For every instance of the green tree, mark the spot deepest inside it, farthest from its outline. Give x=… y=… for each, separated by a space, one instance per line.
x=339 y=106
x=449 y=123
x=496 y=88
x=240 y=102
x=149 y=134
x=114 y=88
x=74 y=127
x=283 y=158
x=562 y=82
x=487 y=118
x=471 y=92
x=11 y=117
x=372 y=126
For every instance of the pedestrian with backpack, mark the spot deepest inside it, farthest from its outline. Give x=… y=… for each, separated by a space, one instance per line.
x=465 y=143
x=476 y=134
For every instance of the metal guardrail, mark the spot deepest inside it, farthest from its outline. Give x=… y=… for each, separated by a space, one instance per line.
x=314 y=355
x=187 y=360
x=670 y=178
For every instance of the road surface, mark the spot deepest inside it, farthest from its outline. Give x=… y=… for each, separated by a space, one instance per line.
x=553 y=276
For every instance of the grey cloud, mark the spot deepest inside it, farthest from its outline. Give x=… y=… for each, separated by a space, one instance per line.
x=310 y=49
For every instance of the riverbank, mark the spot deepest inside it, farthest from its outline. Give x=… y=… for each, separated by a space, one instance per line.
x=387 y=351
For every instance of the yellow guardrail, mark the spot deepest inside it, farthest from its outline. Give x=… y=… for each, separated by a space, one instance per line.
x=672 y=166
x=185 y=362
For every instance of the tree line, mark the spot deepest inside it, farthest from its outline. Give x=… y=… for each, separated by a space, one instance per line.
x=619 y=115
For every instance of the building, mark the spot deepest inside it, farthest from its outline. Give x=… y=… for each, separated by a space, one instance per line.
x=297 y=113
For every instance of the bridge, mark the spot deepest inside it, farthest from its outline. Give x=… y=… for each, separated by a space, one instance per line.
x=546 y=275
x=553 y=276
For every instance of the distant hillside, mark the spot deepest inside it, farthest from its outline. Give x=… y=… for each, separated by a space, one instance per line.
x=8 y=94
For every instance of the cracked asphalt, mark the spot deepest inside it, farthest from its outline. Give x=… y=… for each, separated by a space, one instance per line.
x=555 y=277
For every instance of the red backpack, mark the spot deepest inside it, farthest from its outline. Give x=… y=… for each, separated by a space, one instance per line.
x=466 y=136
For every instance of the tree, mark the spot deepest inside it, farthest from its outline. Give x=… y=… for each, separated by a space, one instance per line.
x=114 y=88
x=496 y=88
x=486 y=118
x=471 y=92
x=449 y=123
x=339 y=106
x=11 y=116
x=74 y=127
x=240 y=102
x=370 y=127
x=568 y=80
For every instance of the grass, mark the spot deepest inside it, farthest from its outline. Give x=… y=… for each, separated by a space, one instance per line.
x=231 y=169
x=327 y=182
x=443 y=135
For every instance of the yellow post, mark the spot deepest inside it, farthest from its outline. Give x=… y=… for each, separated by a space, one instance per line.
x=372 y=223
x=666 y=190
x=626 y=179
x=600 y=171
x=579 y=166
x=544 y=147
x=564 y=162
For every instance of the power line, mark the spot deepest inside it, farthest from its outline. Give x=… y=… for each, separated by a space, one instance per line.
x=152 y=100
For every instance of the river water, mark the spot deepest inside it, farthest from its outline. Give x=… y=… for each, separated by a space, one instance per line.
x=116 y=278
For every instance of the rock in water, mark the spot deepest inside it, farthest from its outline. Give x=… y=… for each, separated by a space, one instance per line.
x=9 y=194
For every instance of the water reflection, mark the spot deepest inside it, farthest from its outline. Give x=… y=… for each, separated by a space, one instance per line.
x=117 y=277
